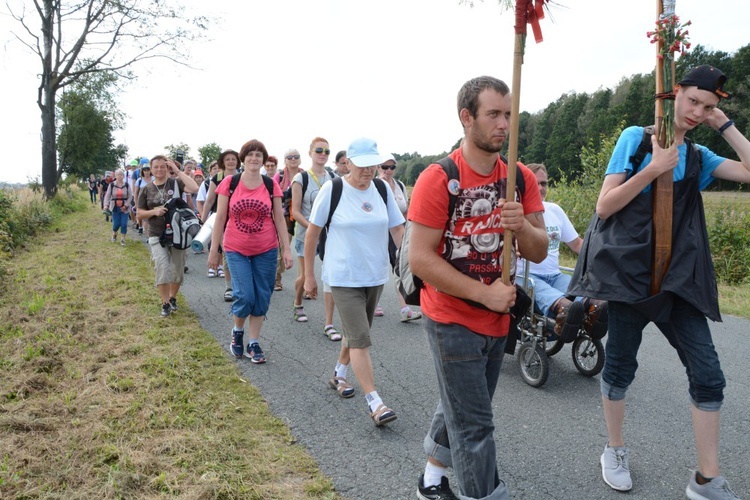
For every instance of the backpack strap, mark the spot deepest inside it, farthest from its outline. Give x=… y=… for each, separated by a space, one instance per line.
x=233 y=184
x=644 y=148
x=176 y=192
x=305 y=180
x=401 y=185
x=337 y=187
x=451 y=170
x=380 y=186
x=269 y=186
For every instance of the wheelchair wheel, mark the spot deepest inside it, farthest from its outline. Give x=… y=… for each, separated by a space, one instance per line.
x=533 y=364
x=588 y=355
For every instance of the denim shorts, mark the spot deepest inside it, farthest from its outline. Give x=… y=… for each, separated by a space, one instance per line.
x=299 y=247
x=252 y=282
x=688 y=333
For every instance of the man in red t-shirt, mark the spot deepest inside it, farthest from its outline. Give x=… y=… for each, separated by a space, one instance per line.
x=459 y=257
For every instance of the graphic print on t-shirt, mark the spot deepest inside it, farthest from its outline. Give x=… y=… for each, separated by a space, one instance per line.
x=474 y=239
x=554 y=234
x=249 y=215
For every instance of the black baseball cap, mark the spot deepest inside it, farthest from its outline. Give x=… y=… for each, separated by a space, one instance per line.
x=708 y=78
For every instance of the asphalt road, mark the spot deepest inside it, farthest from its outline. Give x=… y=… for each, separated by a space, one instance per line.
x=548 y=439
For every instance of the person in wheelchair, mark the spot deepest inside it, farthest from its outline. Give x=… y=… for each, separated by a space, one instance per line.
x=550 y=284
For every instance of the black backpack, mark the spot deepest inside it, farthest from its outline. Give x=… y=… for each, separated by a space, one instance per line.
x=183 y=221
x=337 y=186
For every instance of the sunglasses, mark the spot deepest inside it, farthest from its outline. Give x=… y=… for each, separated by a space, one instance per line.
x=321 y=150
x=292 y=157
x=388 y=167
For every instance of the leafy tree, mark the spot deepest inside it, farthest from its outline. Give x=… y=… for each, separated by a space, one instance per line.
x=209 y=153
x=565 y=141
x=88 y=116
x=74 y=38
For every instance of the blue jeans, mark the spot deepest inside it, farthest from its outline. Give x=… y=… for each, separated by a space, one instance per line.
x=548 y=288
x=119 y=220
x=461 y=432
x=687 y=331
x=252 y=282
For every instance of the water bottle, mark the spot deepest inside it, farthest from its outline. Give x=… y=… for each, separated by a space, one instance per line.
x=169 y=233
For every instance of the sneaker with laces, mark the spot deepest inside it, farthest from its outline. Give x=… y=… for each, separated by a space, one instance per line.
x=166 y=310
x=716 y=489
x=122 y=243
x=615 y=469
x=408 y=315
x=237 y=343
x=173 y=303
x=435 y=492
x=255 y=353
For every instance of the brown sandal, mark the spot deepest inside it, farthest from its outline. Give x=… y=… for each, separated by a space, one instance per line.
x=382 y=415
x=339 y=385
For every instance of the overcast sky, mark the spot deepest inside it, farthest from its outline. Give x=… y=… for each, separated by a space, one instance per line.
x=286 y=71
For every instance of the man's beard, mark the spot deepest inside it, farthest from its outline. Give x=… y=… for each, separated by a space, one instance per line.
x=486 y=145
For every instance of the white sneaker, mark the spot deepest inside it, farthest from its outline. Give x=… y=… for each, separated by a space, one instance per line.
x=615 y=470
x=716 y=489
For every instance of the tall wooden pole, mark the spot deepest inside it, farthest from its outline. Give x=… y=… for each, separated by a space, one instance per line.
x=515 y=108
x=510 y=188
x=663 y=186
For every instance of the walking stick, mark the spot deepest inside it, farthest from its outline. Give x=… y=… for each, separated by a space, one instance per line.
x=527 y=11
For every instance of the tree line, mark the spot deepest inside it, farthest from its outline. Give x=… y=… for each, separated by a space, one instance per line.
x=557 y=135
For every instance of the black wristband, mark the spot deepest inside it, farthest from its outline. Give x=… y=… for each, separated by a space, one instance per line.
x=725 y=126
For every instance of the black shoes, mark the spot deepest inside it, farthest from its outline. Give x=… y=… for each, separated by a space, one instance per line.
x=441 y=492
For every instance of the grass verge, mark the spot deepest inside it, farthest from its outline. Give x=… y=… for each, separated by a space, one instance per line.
x=102 y=398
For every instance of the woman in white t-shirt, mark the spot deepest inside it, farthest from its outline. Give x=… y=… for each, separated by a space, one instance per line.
x=356 y=264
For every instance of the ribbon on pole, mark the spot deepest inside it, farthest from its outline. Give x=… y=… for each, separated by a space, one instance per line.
x=663 y=190
x=527 y=12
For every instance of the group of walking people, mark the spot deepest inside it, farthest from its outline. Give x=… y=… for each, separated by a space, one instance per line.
x=456 y=243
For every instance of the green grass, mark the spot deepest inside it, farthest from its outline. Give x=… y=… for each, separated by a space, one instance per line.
x=93 y=404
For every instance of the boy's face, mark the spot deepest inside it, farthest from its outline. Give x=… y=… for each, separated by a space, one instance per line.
x=692 y=106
